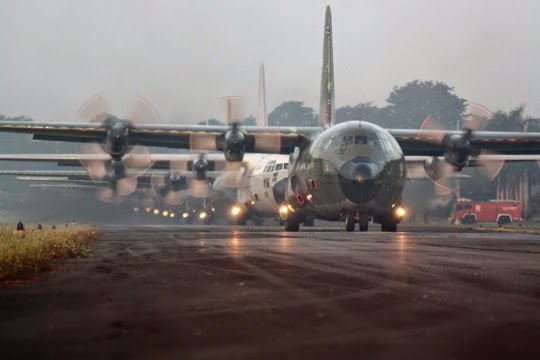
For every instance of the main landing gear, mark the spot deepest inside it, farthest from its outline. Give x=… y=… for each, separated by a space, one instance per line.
x=390 y=220
x=389 y=226
x=292 y=223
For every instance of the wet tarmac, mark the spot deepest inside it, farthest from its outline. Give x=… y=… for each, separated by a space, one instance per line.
x=257 y=292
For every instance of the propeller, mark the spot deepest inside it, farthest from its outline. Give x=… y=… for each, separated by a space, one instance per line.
x=114 y=160
x=457 y=149
x=234 y=142
x=171 y=187
x=200 y=186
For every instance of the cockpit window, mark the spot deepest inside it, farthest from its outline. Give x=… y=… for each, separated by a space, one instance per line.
x=347 y=140
x=360 y=139
x=279 y=167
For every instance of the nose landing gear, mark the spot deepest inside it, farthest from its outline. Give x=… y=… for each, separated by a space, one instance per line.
x=352 y=218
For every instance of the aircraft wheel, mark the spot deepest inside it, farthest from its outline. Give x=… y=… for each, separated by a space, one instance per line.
x=364 y=219
x=292 y=225
x=389 y=227
x=350 y=222
x=240 y=222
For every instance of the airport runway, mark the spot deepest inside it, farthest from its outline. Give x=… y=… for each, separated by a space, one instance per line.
x=257 y=292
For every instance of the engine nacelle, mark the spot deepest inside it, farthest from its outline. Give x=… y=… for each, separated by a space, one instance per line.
x=200 y=167
x=457 y=149
x=177 y=183
x=117 y=141
x=234 y=145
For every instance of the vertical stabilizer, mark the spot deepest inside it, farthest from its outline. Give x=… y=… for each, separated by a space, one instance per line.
x=261 y=115
x=327 y=111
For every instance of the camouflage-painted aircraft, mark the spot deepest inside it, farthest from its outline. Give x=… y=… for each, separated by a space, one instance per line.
x=356 y=168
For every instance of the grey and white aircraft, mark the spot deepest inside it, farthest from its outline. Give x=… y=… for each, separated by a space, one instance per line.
x=356 y=168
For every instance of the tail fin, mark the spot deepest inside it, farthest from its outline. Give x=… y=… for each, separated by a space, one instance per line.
x=261 y=116
x=327 y=111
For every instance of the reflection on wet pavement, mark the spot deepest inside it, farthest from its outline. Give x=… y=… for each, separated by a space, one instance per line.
x=258 y=292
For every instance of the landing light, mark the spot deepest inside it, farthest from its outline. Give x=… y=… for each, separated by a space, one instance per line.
x=400 y=211
x=136 y=209
x=309 y=197
x=185 y=215
x=235 y=211
x=156 y=211
x=165 y=213
x=172 y=215
x=148 y=209
x=283 y=209
x=202 y=215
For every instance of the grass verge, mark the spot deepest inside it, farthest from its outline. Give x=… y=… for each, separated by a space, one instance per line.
x=21 y=257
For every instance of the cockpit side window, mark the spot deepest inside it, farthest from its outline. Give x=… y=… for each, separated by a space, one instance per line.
x=393 y=143
x=279 y=167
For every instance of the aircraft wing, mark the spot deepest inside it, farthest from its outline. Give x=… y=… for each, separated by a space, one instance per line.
x=258 y=139
x=275 y=140
x=427 y=142
x=480 y=159
x=180 y=162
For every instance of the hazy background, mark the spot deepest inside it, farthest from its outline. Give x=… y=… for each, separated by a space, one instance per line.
x=184 y=55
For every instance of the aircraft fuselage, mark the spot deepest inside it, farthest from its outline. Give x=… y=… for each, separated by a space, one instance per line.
x=354 y=166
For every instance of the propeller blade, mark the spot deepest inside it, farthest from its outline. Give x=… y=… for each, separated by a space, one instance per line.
x=268 y=143
x=97 y=169
x=435 y=128
x=142 y=112
x=199 y=188
x=234 y=176
x=138 y=160
x=478 y=117
x=490 y=168
x=157 y=183
x=202 y=142
x=175 y=197
x=94 y=109
x=234 y=109
x=108 y=195
x=126 y=186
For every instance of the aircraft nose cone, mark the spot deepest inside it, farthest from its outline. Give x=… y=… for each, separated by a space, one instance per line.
x=357 y=180
x=279 y=190
x=360 y=170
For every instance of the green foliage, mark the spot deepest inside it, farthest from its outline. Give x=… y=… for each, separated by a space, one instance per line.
x=21 y=256
x=292 y=113
x=410 y=104
x=249 y=121
x=514 y=120
x=363 y=111
x=211 y=122
x=14 y=118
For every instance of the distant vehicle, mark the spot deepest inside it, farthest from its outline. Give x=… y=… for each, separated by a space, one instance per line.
x=499 y=211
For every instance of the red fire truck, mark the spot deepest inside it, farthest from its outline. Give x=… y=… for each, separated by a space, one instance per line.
x=500 y=211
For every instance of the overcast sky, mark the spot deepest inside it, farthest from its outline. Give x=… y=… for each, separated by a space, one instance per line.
x=184 y=55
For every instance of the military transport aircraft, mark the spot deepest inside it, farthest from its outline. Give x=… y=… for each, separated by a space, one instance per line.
x=355 y=169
